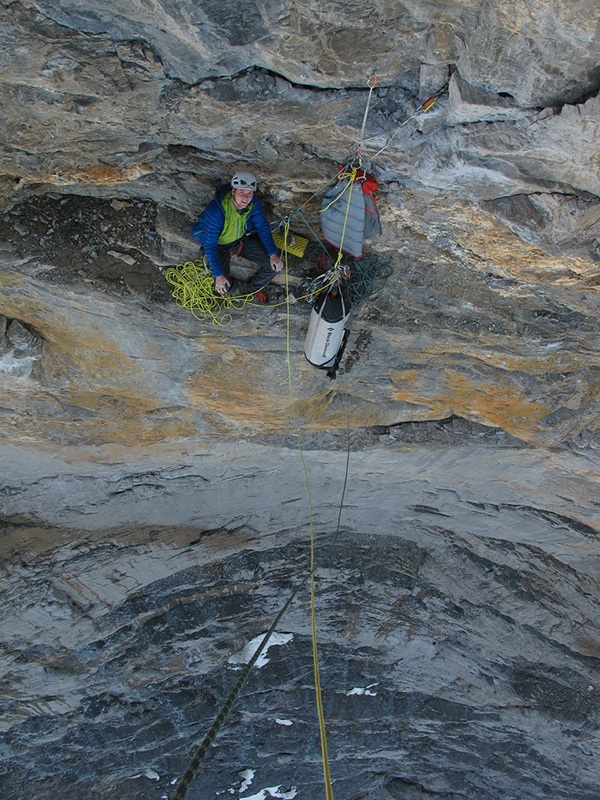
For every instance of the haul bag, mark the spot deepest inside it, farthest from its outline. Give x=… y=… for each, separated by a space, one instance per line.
x=328 y=326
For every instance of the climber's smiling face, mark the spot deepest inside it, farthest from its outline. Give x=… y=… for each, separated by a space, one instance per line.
x=241 y=197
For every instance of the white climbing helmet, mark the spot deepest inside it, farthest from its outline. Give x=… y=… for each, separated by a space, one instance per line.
x=244 y=180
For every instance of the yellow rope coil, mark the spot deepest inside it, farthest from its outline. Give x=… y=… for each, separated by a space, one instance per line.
x=193 y=288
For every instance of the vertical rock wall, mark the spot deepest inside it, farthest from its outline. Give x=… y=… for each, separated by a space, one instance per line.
x=153 y=503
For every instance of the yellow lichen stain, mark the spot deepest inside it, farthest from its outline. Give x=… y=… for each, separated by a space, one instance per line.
x=81 y=432
x=131 y=434
x=489 y=403
x=488 y=244
x=86 y=389
x=22 y=540
x=9 y=280
x=78 y=414
x=315 y=407
x=237 y=390
x=95 y=355
x=500 y=248
x=90 y=358
x=100 y=174
x=87 y=353
x=540 y=363
x=588 y=646
x=505 y=407
x=16 y=305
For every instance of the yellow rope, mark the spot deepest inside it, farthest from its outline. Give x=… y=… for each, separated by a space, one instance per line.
x=193 y=289
x=341 y=176
x=331 y=279
x=313 y=615
x=350 y=177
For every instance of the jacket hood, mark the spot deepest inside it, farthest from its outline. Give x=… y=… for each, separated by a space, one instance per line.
x=222 y=190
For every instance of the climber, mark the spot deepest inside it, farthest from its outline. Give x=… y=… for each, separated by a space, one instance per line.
x=234 y=224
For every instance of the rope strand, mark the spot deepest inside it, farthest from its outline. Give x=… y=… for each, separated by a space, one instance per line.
x=186 y=779
x=313 y=616
x=371 y=83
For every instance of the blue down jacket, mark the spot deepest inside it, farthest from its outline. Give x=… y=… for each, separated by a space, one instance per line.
x=212 y=220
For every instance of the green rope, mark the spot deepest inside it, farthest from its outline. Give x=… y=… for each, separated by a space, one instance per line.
x=368 y=276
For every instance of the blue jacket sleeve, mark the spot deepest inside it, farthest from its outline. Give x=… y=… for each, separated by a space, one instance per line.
x=207 y=231
x=259 y=221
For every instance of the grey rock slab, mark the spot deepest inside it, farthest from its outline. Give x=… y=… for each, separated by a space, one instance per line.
x=457 y=614
x=528 y=50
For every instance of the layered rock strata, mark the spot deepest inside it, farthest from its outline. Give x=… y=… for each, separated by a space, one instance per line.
x=159 y=472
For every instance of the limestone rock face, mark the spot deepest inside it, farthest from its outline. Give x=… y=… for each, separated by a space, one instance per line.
x=558 y=148
x=164 y=479
x=528 y=49
x=136 y=103
x=457 y=621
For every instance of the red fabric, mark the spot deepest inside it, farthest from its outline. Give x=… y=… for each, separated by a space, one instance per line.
x=369 y=183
